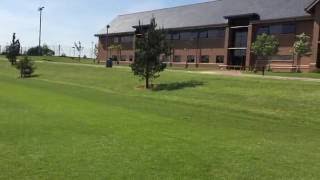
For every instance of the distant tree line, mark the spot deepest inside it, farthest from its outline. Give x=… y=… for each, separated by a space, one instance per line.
x=33 y=51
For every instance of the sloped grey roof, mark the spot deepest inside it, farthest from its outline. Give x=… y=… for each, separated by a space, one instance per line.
x=210 y=13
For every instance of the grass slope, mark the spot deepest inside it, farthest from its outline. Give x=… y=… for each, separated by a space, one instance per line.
x=74 y=122
x=58 y=59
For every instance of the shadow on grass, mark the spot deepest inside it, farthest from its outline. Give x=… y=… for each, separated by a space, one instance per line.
x=177 y=85
x=48 y=60
x=31 y=76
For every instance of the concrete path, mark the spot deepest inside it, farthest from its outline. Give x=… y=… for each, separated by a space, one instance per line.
x=223 y=73
x=239 y=74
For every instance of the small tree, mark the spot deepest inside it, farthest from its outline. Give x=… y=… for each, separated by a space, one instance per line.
x=13 y=50
x=301 y=48
x=26 y=67
x=96 y=53
x=149 y=46
x=79 y=48
x=264 y=47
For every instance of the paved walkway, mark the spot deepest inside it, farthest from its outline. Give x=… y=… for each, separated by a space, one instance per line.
x=239 y=74
x=223 y=73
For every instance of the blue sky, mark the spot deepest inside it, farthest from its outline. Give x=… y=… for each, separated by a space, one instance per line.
x=67 y=21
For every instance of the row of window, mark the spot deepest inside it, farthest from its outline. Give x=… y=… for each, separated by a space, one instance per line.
x=190 y=35
x=123 y=58
x=123 y=39
x=177 y=58
x=277 y=29
x=213 y=34
x=203 y=59
x=216 y=33
x=278 y=58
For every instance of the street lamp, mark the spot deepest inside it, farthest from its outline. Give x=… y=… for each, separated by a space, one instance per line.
x=40 y=9
x=108 y=55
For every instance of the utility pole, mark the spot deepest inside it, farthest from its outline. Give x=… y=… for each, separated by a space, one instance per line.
x=59 y=49
x=108 y=55
x=39 y=47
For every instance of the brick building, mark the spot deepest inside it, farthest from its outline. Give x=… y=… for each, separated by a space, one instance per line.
x=219 y=33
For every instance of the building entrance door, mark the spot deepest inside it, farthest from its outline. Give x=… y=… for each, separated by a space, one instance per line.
x=238 y=57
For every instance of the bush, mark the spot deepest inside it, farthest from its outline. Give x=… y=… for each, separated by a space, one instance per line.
x=63 y=55
x=26 y=67
x=45 y=51
x=84 y=57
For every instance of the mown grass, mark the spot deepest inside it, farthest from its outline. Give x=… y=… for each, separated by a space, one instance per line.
x=58 y=59
x=79 y=122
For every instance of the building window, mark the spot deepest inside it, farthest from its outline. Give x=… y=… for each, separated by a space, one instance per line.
x=176 y=36
x=123 y=58
x=168 y=36
x=204 y=59
x=203 y=34
x=188 y=35
x=239 y=53
x=191 y=59
x=116 y=39
x=263 y=30
x=275 y=29
x=279 y=58
x=241 y=38
x=127 y=39
x=283 y=29
x=289 y=29
x=220 y=59
x=216 y=33
x=130 y=58
x=114 y=58
x=177 y=59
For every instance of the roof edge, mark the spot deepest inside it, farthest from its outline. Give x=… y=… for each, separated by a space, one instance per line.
x=311 y=6
x=160 y=9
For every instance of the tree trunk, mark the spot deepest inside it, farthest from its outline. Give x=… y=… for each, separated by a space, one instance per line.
x=147 y=75
x=147 y=82
x=298 y=63
x=21 y=72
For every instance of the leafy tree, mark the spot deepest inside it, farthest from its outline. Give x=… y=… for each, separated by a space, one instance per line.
x=96 y=53
x=45 y=51
x=150 y=45
x=13 y=50
x=26 y=67
x=301 y=48
x=265 y=46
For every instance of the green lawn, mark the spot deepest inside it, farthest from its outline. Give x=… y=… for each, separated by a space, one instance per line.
x=80 y=122
x=58 y=59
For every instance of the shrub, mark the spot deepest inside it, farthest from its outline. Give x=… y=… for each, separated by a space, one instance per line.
x=44 y=51
x=26 y=67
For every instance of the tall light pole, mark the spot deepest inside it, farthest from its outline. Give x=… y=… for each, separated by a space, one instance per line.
x=108 y=55
x=39 y=47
